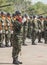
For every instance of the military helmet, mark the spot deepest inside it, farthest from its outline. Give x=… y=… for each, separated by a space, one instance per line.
x=3 y=14
x=25 y=15
x=34 y=16
x=8 y=14
x=13 y=15
x=41 y=16
x=17 y=13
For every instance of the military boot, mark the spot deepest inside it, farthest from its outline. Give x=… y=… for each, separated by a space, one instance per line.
x=40 y=42
x=0 y=44
x=45 y=42
x=33 y=43
x=15 y=61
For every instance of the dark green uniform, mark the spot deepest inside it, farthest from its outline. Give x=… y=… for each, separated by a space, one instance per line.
x=11 y=29
x=1 y=34
x=16 y=41
x=24 y=32
x=45 y=30
x=42 y=24
x=39 y=31
x=29 y=29
x=11 y=33
x=33 y=32
x=25 y=26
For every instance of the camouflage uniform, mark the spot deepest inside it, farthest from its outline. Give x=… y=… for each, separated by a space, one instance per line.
x=11 y=33
x=25 y=26
x=40 y=29
x=34 y=30
x=42 y=23
x=3 y=31
x=11 y=29
x=7 y=31
x=6 y=28
x=16 y=41
x=45 y=30
x=1 y=34
x=29 y=29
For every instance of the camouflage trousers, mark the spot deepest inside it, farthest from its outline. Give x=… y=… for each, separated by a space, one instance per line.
x=16 y=46
x=1 y=40
x=33 y=34
x=6 y=39
x=45 y=36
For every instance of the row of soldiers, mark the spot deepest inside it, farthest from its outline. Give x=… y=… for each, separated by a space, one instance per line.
x=17 y=27
x=37 y=28
x=6 y=29
x=32 y=28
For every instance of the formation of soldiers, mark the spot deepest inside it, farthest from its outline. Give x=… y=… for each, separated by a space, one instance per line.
x=35 y=28
x=5 y=24
x=32 y=27
x=15 y=28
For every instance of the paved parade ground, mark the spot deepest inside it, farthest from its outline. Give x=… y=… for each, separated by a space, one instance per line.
x=30 y=54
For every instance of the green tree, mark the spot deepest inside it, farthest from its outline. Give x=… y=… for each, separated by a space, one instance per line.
x=38 y=8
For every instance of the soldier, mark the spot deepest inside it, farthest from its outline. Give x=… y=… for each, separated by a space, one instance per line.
x=6 y=28
x=33 y=31
x=39 y=29
x=25 y=26
x=29 y=27
x=11 y=28
x=33 y=24
x=42 y=24
x=3 y=18
x=16 y=40
x=45 y=30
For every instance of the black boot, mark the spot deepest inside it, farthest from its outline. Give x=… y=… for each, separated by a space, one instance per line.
x=39 y=41
x=15 y=61
x=24 y=44
x=19 y=62
x=45 y=42
x=34 y=44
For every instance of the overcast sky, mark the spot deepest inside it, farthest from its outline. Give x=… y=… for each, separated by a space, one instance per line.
x=44 y=1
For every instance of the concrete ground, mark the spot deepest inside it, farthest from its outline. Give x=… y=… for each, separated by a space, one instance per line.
x=30 y=54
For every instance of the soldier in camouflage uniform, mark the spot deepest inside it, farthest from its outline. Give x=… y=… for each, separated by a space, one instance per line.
x=45 y=30
x=16 y=40
x=3 y=18
x=11 y=28
x=34 y=30
x=42 y=25
x=29 y=27
x=7 y=30
x=25 y=26
x=39 y=29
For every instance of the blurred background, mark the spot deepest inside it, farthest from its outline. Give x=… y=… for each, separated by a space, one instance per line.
x=32 y=7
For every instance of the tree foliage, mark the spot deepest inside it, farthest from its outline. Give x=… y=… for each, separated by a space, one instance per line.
x=24 y=6
x=38 y=8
